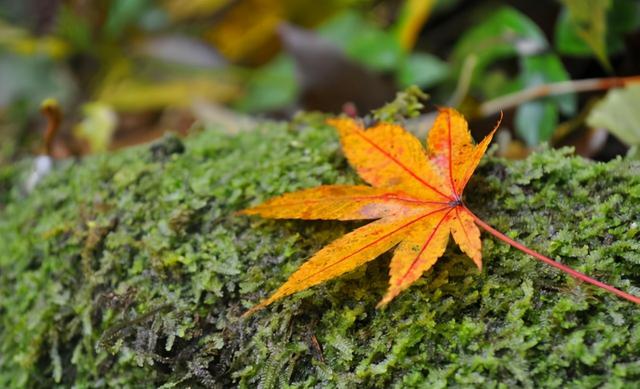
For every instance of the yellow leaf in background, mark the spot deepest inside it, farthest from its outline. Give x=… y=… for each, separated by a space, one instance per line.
x=246 y=31
x=20 y=41
x=132 y=95
x=97 y=127
x=126 y=90
x=413 y=15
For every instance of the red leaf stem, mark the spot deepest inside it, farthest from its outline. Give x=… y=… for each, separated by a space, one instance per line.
x=551 y=262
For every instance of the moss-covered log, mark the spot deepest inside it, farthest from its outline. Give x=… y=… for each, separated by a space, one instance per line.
x=131 y=269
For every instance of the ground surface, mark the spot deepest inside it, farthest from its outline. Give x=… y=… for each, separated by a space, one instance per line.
x=132 y=269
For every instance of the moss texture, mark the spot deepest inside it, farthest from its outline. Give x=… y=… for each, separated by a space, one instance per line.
x=132 y=269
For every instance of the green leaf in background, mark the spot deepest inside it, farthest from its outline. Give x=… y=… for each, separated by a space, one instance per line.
x=508 y=33
x=623 y=16
x=588 y=20
x=271 y=87
x=121 y=15
x=504 y=34
x=340 y=28
x=363 y=42
x=618 y=112
x=32 y=79
x=423 y=70
x=497 y=82
x=544 y=69
x=375 y=48
x=536 y=121
x=74 y=29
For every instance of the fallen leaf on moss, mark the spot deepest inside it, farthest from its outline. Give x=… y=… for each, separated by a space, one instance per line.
x=416 y=195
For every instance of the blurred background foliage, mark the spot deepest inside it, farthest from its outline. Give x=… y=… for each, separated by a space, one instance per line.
x=125 y=71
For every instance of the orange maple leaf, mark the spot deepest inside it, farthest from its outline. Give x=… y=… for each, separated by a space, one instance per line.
x=416 y=197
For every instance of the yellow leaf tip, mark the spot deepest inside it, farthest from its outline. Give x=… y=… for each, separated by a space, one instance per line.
x=340 y=122
x=253 y=310
x=334 y=121
x=382 y=304
x=498 y=123
x=448 y=110
x=391 y=294
x=244 y=212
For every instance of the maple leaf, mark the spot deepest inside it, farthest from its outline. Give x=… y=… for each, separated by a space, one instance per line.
x=415 y=195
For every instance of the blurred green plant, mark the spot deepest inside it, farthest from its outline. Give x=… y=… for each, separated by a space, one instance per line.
x=407 y=104
x=270 y=87
x=381 y=50
x=587 y=20
x=618 y=112
x=94 y=54
x=142 y=57
x=595 y=27
x=274 y=86
x=508 y=34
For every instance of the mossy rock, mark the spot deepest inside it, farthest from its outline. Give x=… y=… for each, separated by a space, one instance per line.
x=132 y=270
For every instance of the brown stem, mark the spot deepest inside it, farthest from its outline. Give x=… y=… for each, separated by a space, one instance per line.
x=51 y=111
x=496 y=105
x=551 y=262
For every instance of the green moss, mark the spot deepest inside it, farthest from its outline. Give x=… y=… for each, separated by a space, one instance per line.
x=132 y=269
